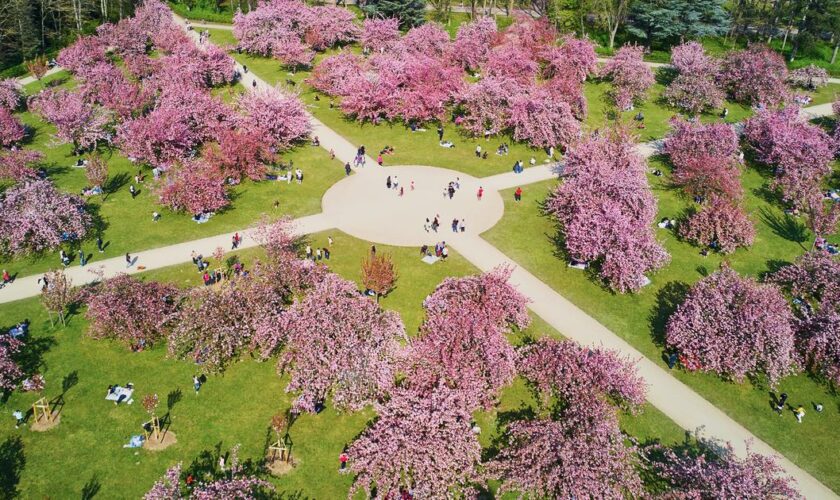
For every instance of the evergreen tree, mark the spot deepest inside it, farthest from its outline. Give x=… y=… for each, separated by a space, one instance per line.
x=410 y=12
x=672 y=21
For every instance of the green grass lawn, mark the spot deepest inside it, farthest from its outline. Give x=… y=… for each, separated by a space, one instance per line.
x=86 y=448
x=126 y=223
x=528 y=237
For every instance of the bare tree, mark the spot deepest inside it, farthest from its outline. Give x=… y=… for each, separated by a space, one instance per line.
x=614 y=14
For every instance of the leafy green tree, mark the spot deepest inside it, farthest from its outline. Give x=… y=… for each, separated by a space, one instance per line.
x=671 y=21
x=410 y=12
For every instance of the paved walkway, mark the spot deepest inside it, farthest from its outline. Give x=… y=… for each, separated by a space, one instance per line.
x=351 y=203
x=26 y=80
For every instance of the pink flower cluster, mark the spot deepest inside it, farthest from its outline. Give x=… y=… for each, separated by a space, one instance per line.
x=695 y=88
x=720 y=224
x=606 y=210
x=630 y=76
x=735 y=327
x=10 y=94
x=193 y=186
x=276 y=117
x=16 y=164
x=76 y=121
x=473 y=41
x=10 y=371
x=11 y=130
x=810 y=77
x=380 y=34
x=756 y=75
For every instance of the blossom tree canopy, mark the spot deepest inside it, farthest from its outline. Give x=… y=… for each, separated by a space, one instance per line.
x=333 y=72
x=85 y=52
x=239 y=486
x=575 y=57
x=462 y=341
x=720 y=224
x=278 y=117
x=485 y=105
x=606 y=210
x=421 y=441
x=815 y=277
x=707 y=175
x=800 y=152
x=239 y=155
x=755 y=75
x=105 y=84
x=368 y=96
x=16 y=164
x=331 y=26
x=137 y=313
x=193 y=187
x=630 y=76
x=360 y=340
x=511 y=62
x=11 y=130
x=541 y=120
x=734 y=327
x=76 y=121
x=428 y=86
x=690 y=58
x=688 y=140
x=10 y=371
x=380 y=34
x=473 y=42
x=694 y=93
x=720 y=475
x=10 y=94
x=36 y=216
x=810 y=77
x=430 y=39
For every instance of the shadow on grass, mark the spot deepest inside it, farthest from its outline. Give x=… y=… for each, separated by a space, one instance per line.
x=667 y=299
x=91 y=488
x=785 y=226
x=12 y=461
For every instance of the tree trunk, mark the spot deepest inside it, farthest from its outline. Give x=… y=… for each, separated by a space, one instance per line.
x=613 y=32
x=510 y=8
x=784 y=40
x=834 y=54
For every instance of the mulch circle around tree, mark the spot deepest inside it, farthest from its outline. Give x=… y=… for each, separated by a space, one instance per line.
x=168 y=439
x=279 y=467
x=43 y=425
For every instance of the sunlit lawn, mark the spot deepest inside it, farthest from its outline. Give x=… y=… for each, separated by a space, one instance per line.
x=86 y=447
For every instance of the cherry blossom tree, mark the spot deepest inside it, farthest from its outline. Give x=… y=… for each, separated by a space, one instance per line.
x=160 y=138
x=278 y=117
x=278 y=28
x=10 y=94
x=330 y=26
x=799 y=152
x=85 y=52
x=360 y=340
x=814 y=277
x=694 y=94
x=511 y=62
x=473 y=42
x=810 y=77
x=720 y=224
x=606 y=210
x=368 y=96
x=575 y=58
x=735 y=327
x=11 y=130
x=238 y=486
x=691 y=58
x=193 y=187
x=427 y=86
x=333 y=72
x=720 y=474
x=16 y=164
x=36 y=216
x=378 y=273
x=630 y=76
x=105 y=84
x=755 y=75
x=127 y=37
x=76 y=121
x=10 y=371
x=530 y=33
x=379 y=34
x=239 y=154
x=422 y=442
x=485 y=105
x=96 y=171
x=430 y=39
x=541 y=120
x=134 y=312
x=57 y=294
x=690 y=139
x=462 y=342
x=708 y=175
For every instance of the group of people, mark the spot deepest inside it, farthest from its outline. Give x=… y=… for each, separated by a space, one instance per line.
x=359 y=161
x=319 y=253
x=451 y=188
x=798 y=412
x=441 y=251
x=823 y=244
x=65 y=259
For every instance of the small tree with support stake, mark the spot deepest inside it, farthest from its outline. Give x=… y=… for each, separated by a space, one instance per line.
x=152 y=427
x=379 y=274
x=280 y=449
x=57 y=295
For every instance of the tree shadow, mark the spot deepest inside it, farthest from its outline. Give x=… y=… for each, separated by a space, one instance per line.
x=69 y=381
x=12 y=461
x=173 y=398
x=114 y=183
x=667 y=299
x=786 y=226
x=665 y=75
x=503 y=420
x=31 y=359
x=91 y=488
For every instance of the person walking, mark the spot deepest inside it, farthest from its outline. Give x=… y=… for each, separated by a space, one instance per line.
x=480 y=192
x=388 y=182
x=379 y=159
x=462 y=226
x=308 y=252
x=82 y=258
x=196 y=384
x=65 y=260
x=18 y=418
x=780 y=404
x=800 y=413
x=342 y=462
x=7 y=278
x=128 y=261
x=517 y=195
x=347 y=169
x=396 y=182
x=99 y=245
x=455 y=225
x=440 y=132
x=412 y=184
x=132 y=190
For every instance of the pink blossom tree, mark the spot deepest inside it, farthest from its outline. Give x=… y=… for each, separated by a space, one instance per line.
x=755 y=76
x=11 y=130
x=691 y=58
x=462 y=342
x=430 y=39
x=105 y=84
x=694 y=94
x=630 y=76
x=799 y=152
x=10 y=94
x=333 y=72
x=160 y=138
x=239 y=154
x=239 y=486
x=85 y=52
x=810 y=77
x=278 y=117
x=428 y=87
x=136 y=313
x=720 y=224
x=689 y=140
x=473 y=42
x=36 y=216
x=277 y=28
x=16 y=164
x=194 y=187
x=734 y=327
x=535 y=35
x=574 y=58
x=541 y=120
x=708 y=175
x=10 y=371
x=330 y=26
x=368 y=96
x=606 y=210
x=485 y=105
x=422 y=442
x=76 y=121
x=379 y=34
x=360 y=340
x=511 y=62
x=719 y=474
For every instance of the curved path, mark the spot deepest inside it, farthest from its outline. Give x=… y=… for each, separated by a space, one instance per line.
x=362 y=206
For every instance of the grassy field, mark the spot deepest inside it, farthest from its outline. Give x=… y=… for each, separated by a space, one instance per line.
x=85 y=450
x=126 y=223
x=530 y=238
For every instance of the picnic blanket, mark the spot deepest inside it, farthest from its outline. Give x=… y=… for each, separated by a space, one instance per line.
x=120 y=391
x=136 y=441
x=430 y=259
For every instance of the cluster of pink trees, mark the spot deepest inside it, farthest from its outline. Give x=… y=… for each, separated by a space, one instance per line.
x=735 y=327
x=134 y=312
x=11 y=130
x=695 y=87
x=35 y=216
x=276 y=117
x=756 y=75
x=290 y=31
x=17 y=164
x=630 y=76
x=705 y=167
x=529 y=86
x=814 y=283
x=239 y=485
x=10 y=371
x=10 y=94
x=76 y=121
x=800 y=153
x=810 y=77
x=193 y=186
x=606 y=210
